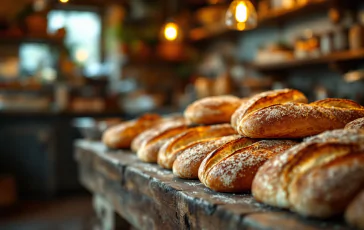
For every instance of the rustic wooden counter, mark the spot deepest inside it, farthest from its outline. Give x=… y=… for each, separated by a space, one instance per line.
x=150 y=197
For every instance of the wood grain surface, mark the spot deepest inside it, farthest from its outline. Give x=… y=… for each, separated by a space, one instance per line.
x=150 y=197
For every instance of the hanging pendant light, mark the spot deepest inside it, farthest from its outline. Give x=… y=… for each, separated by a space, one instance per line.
x=171 y=32
x=241 y=15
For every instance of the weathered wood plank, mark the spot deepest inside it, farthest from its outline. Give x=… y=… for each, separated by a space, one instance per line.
x=150 y=197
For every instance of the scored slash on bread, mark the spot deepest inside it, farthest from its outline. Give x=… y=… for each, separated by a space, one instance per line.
x=265 y=99
x=318 y=177
x=298 y=120
x=162 y=124
x=155 y=138
x=168 y=152
x=356 y=124
x=190 y=157
x=232 y=167
x=212 y=110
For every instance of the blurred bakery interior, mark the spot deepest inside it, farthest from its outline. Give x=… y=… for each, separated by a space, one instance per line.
x=71 y=68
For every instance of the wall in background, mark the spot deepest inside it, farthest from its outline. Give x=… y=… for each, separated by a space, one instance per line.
x=307 y=79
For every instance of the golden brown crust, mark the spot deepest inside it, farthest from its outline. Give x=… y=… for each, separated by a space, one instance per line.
x=327 y=189
x=297 y=120
x=168 y=152
x=234 y=171
x=121 y=135
x=148 y=151
x=266 y=99
x=191 y=156
x=310 y=177
x=212 y=110
x=356 y=124
x=355 y=211
x=162 y=124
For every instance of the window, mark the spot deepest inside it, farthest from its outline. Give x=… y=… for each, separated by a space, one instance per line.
x=82 y=38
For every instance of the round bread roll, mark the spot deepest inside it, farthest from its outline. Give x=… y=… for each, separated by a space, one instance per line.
x=232 y=167
x=212 y=110
x=317 y=178
x=121 y=135
x=356 y=124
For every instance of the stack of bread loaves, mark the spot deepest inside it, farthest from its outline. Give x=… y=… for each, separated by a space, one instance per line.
x=235 y=145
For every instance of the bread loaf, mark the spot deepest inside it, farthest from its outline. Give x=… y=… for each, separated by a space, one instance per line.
x=298 y=120
x=148 y=151
x=356 y=124
x=190 y=157
x=121 y=135
x=355 y=212
x=316 y=178
x=266 y=99
x=168 y=152
x=232 y=167
x=162 y=124
x=212 y=110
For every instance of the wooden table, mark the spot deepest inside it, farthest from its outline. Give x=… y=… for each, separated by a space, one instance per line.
x=149 y=197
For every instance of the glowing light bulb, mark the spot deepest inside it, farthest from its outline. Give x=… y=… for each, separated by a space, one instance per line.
x=241 y=15
x=63 y=1
x=241 y=12
x=171 y=31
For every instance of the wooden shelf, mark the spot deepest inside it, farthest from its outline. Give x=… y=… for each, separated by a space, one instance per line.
x=201 y=34
x=273 y=17
x=280 y=15
x=343 y=56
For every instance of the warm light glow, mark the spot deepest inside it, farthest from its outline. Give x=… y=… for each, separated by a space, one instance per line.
x=64 y=1
x=171 y=31
x=241 y=12
x=241 y=15
x=81 y=55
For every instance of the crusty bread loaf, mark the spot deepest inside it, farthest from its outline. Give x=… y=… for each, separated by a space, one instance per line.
x=121 y=135
x=232 y=167
x=148 y=151
x=316 y=178
x=354 y=214
x=298 y=120
x=162 y=124
x=265 y=99
x=356 y=124
x=212 y=110
x=168 y=152
x=190 y=157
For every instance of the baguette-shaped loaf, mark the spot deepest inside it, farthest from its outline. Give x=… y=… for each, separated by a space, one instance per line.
x=354 y=214
x=315 y=178
x=191 y=156
x=148 y=152
x=212 y=110
x=233 y=169
x=265 y=99
x=168 y=152
x=121 y=135
x=163 y=124
x=356 y=124
x=298 y=120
